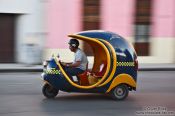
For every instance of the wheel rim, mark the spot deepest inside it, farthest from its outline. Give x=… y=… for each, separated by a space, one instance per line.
x=119 y=92
x=50 y=91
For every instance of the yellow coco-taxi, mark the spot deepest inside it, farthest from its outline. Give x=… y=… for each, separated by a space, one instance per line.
x=117 y=77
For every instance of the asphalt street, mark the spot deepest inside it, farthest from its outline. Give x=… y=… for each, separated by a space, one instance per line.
x=20 y=95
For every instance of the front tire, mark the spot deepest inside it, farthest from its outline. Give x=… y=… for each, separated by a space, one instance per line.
x=49 y=91
x=120 y=92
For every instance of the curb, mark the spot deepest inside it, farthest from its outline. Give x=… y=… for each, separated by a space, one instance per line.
x=156 y=69
x=19 y=70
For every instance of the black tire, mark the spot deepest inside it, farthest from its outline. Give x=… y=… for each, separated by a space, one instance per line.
x=49 y=91
x=120 y=92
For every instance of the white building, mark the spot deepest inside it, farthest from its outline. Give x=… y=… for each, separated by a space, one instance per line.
x=22 y=30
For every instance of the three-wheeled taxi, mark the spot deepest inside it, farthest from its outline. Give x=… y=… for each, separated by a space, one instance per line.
x=114 y=69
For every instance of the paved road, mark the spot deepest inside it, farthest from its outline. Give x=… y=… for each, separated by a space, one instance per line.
x=20 y=95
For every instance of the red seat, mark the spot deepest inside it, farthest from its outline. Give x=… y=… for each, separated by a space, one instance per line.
x=83 y=79
x=101 y=71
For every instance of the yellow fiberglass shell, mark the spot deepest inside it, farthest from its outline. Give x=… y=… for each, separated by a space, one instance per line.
x=98 y=58
x=120 y=79
x=114 y=65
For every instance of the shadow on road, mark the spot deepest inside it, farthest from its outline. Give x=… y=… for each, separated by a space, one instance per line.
x=88 y=104
x=85 y=97
x=82 y=97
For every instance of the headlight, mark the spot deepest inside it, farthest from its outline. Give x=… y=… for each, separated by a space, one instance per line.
x=42 y=75
x=45 y=63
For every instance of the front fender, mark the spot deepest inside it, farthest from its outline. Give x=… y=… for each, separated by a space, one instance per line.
x=122 y=78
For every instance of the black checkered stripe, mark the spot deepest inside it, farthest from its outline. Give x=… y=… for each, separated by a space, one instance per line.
x=125 y=63
x=52 y=71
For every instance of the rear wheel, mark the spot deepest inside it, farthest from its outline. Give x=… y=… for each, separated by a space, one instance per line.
x=120 y=92
x=49 y=91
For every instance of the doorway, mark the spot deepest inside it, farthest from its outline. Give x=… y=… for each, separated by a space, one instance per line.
x=7 y=35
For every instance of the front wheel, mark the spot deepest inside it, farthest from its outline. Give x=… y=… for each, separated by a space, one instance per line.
x=49 y=91
x=120 y=92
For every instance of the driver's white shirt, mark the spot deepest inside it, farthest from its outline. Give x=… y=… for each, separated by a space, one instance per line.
x=80 y=56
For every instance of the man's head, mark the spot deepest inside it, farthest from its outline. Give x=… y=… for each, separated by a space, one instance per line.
x=73 y=44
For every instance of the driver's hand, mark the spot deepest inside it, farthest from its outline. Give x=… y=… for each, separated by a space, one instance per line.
x=63 y=63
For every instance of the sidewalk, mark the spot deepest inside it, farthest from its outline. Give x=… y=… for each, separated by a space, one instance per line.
x=156 y=67
x=14 y=67
x=38 y=68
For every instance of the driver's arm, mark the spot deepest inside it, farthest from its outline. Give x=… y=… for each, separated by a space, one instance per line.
x=66 y=62
x=75 y=64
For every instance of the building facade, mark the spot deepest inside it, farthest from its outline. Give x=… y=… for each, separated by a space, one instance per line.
x=22 y=31
x=35 y=29
x=148 y=24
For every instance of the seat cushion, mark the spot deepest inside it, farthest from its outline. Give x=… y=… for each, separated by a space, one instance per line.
x=83 y=78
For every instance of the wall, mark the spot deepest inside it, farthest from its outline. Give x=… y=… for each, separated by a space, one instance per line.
x=64 y=17
x=30 y=26
x=118 y=16
x=163 y=33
